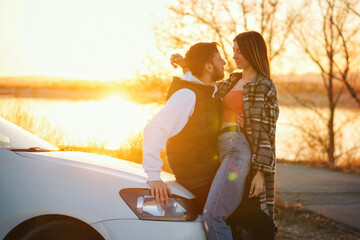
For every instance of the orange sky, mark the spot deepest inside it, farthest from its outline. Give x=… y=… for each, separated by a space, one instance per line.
x=90 y=39
x=86 y=39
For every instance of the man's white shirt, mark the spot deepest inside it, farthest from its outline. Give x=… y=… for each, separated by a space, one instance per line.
x=171 y=119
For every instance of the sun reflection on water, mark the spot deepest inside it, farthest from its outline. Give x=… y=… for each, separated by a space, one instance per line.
x=106 y=123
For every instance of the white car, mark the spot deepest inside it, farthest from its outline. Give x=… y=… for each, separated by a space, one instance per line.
x=48 y=193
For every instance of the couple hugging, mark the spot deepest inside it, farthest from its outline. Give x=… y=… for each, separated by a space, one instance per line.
x=220 y=138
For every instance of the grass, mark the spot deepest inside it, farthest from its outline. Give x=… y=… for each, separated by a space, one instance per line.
x=131 y=151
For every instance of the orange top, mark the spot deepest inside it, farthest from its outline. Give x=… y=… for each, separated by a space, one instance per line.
x=233 y=106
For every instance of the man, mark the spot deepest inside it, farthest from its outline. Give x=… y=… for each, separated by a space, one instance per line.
x=188 y=125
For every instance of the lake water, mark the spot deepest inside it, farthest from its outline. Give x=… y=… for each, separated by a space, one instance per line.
x=110 y=122
x=106 y=123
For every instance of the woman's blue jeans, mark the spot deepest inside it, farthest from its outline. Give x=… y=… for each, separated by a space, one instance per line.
x=227 y=188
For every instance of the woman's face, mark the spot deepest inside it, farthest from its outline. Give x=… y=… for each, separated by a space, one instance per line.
x=241 y=62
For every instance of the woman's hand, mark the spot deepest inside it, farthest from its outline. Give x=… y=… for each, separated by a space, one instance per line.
x=177 y=60
x=240 y=120
x=257 y=184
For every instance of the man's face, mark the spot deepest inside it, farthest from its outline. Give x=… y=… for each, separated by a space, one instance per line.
x=218 y=64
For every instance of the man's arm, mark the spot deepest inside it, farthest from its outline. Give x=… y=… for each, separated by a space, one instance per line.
x=166 y=124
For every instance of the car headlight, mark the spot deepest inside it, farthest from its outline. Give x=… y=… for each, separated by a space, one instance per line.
x=145 y=207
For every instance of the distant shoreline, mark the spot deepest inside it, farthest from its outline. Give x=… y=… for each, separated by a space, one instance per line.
x=60 y=94
x=351 y=169
x=143 y=97
x=307 y=87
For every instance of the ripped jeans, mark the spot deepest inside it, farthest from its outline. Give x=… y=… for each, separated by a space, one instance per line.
x=227 y=188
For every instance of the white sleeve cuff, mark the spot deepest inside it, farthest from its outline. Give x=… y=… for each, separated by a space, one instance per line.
x=153 y=176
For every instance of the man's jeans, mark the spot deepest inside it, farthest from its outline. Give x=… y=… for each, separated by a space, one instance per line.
x=227 y=187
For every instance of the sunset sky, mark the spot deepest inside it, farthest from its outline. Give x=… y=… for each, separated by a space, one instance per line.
x=86 y=39
x=91 y=39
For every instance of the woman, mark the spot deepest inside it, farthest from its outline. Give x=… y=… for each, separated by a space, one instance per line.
x=249 y=149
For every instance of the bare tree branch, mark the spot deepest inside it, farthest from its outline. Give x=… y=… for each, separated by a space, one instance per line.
x=232 y=19
x=345 y=72
x=348 y=5
x=245 y=11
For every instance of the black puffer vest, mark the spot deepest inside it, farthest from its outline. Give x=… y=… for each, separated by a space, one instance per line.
x=192 y=153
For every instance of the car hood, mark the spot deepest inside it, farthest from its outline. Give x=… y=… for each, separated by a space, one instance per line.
x=118 y=168
x=95 y=161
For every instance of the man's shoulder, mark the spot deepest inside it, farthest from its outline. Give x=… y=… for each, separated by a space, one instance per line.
x=184 y=94
x=179 y=83
x=180 y=87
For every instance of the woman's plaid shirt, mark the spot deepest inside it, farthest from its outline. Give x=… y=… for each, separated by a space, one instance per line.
x=261 y=113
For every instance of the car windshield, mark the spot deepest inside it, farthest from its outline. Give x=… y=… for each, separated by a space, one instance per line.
x=13 y=137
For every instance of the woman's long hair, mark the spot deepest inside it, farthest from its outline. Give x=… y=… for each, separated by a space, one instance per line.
x=253 y=47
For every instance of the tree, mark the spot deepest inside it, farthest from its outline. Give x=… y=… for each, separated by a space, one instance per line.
x=331 y=45
x=351 y=6
x=193 y=21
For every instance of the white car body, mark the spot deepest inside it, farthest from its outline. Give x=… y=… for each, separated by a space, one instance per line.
x=82 y=186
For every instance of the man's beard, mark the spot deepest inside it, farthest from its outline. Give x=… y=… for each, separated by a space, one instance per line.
x=217 y=75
